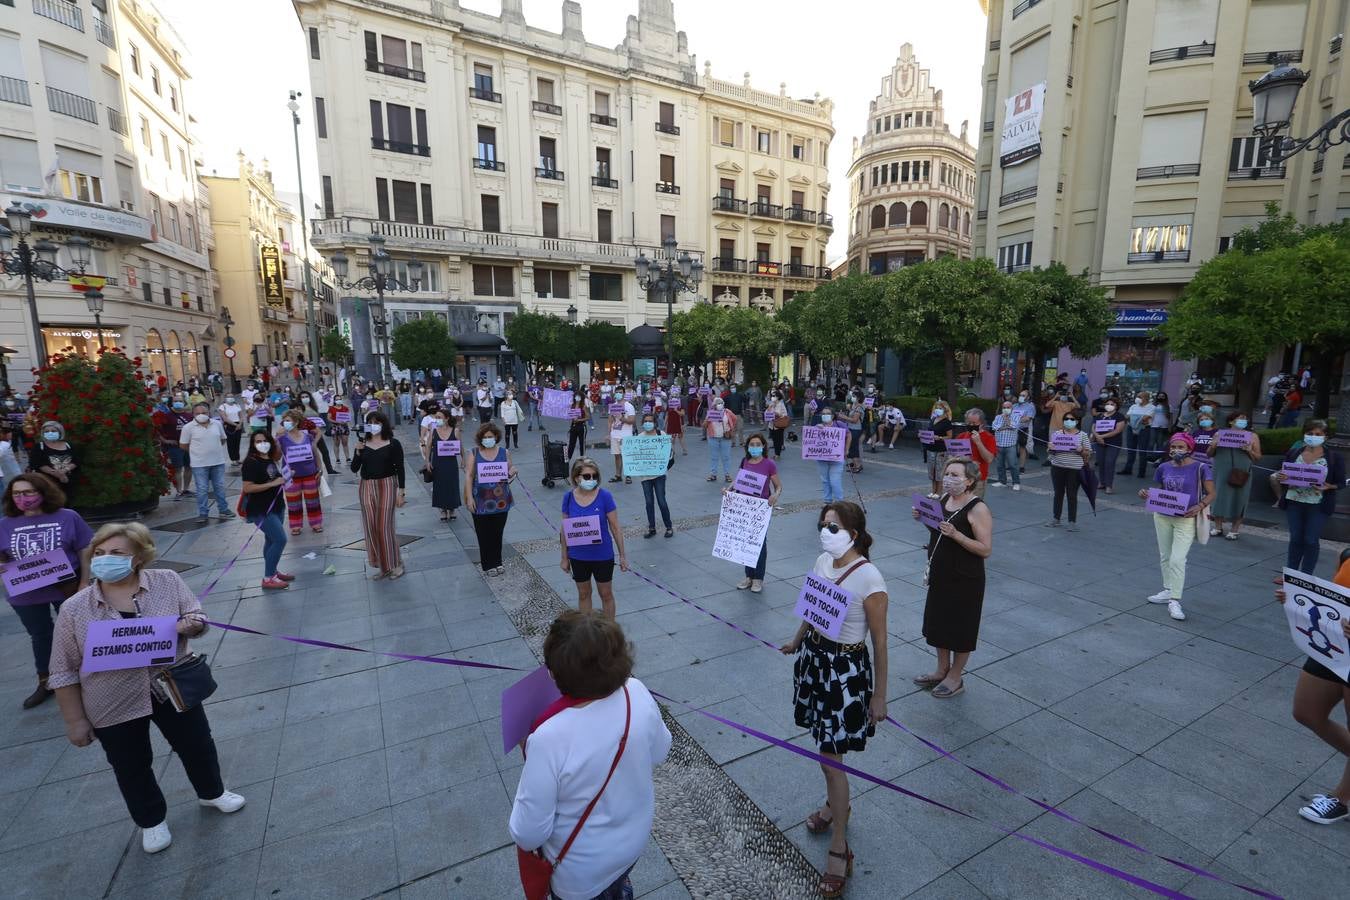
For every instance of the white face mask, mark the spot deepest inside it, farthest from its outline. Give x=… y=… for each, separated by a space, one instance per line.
x=202 y=418
x=263 y=447
x=373 y=428
x=835 y=544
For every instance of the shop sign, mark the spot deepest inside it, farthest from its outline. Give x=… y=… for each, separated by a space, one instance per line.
x=1140 y=318
x=270 y=268
x=1021 y=137
x=92 y=218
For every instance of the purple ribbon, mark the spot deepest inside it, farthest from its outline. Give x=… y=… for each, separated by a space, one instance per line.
x=329 y=645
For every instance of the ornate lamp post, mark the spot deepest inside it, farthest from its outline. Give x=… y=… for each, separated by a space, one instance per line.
x=227 y=322
x=380 y=279
x=311 y=333
x=93 y=298
x=36 y=262
x=671 y=274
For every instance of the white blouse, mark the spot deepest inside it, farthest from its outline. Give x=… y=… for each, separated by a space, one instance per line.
x=865 y=581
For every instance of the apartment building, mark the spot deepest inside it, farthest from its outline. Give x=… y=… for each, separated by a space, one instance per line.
x=912 y=182
x=1118 y=140
x=95 y=142
x=531 y=168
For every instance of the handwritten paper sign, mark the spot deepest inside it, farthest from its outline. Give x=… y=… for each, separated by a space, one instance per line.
x=926 y=437
x=1235 y=438
x=823 y=443
x=930 y=510
x=769 y=416
x=1064 y=443
x=299 y=453
x=447 y=448
x=692 y=391
x=645 y=455
x=750 y=483
x=822 y=604
x=492 y=472
x=1169 y=503
x=342 y=417
x=555 y=403
x=1104 y=426
x=574 y=412
x=705 y=390
x=616 y=410
x=582 y=531
x=716 y=415
x=130 y=643
x=869 y=403
x=646 y=408
x=522 y=703
x=316 y=421
x=675 y=401
x=741 y=527
x=1303 y=474
x=630 y=396
x=38 y=571
x=1316 y=610
x=958 y=446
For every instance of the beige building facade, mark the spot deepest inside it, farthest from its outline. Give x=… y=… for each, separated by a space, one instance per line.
x=911 y=182
x=1117 y=138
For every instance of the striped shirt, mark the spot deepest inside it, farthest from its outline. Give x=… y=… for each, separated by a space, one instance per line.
x=1070 y=459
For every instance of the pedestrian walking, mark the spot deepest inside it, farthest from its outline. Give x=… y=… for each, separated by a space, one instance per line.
x=1308 y=508
x=302 y=491
x=770 y=487
x=379 y=461
x=1182 y=474
x=590 y=536
x=261 y=483
x=1066 y=467
x=441 y=456
x=487 y=494
x=1232 y=478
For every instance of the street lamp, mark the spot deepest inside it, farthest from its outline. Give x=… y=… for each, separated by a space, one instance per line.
x=93 y=298
x=671 y=274
x=311 y=332
x=36 y=262
x=571 y=314
x=227 y=322
x=380 y=279
x=1273 y=97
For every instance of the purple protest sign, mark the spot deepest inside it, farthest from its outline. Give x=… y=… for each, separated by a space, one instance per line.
x=646 y=408
x=1061 y=442
x=930 y=510
x=715 y=415
x=616 y=410
x=1203 y=439
x=523 y=702
x=675 y=401
x=1303 y=474
x=343 y=417
x=298 y=453
x=32 y=572
x=582 y=531
x=958 y=446
x=492 y=472
x=317 y=421
x=574 y=412
x=1169 y=503
x=705 y=390
x=447 y=448
x=693 y=391
x=1234 y=438
x=751 y=483
x=555 y=404
x=130 y=643
x=869 y=403
x=926 y=437
x=823 y=442
x=1104 y=426
x=769 y=416
x=823 y=605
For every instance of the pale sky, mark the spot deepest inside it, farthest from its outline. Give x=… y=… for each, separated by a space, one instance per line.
x=244 y=63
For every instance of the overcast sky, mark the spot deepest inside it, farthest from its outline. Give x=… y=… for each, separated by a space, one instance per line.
x=244 y=63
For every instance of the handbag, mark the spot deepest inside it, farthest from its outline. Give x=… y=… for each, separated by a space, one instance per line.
x=427 y=475
x=325 y=491
x=536 y=872
x=781 y=421
x=1238 y=477
x=186 y=683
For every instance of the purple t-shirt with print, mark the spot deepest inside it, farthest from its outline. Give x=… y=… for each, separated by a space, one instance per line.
x=1186 y=480
x=23 y=536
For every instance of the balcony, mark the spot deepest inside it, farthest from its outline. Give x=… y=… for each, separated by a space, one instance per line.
x=994 y=45
x=667 y=187
x=1253 y=173
x=73 y=105
x=825 y=220
x=765 y=267
x=552 y=109
x=798 y=270
x=1182 y=170
x=605 y=181
x=1336 y=44
x=395 y=71
x=60 y=11
x=1271 y=57
x=823 y=273
x=1159 y=256
x=548 y=172
x=727 y=264
x=14 y=90
x=766 y=210
x=1025 y=193
x=103 y=31
x=489 y=165
x=485 y=94
x=1174 y=53
x=799 y=214
x=981 y=215
x=725 y=204
x=667 y=128
x=1023 y=7
x=988 y=126
x=118 y=122
x=598 y=119
x=400 y=147
x=1318 y=165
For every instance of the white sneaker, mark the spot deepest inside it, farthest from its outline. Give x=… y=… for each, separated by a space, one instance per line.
x=756 y=586
x=743 y=584
x=1174 y=610
x=997 y=484
x=1163 y=596
x=227 y=802
x=1017 y=487
x=156 y=839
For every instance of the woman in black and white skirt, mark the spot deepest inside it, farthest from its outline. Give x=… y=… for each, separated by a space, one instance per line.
x=837 y=695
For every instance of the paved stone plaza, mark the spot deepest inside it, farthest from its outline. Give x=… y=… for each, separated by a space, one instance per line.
x=367 y=776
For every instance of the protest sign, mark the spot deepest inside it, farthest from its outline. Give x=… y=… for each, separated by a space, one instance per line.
x=705 y=390
x=298 y=453
x=750 y=483
x=1303 y=474
x=582 y=531
x=741 y=527
x=645 y=455
x=523 y=702
x=930 y=510
x=1316 y=611
x=574 y=412
x=555 y=403
x=316 y=421
x=926 y=437
x=823 y=443
x=130 y=643
x=1202 y=439
x=716 y=415
x=38 y=571
x=958 y=446
x=342 y=417
x=1233 y=437
x=447 y=448
x=769 y=416
x=492 y=472
x=1169 y=503
x=823 y=605
x=869 y=403
x=616 y=410
x=1061 y=442
x=1104 y=426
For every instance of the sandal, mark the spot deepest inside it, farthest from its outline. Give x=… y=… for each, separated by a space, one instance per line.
x=816 y=824
x=317 y=529
x=712 y=478
x=928 y=681
x=945 y=693
x=295 y=532
x=616 y=478
x=1231 y=536
x=627 y=480
x=833 y=885
x=397 y=572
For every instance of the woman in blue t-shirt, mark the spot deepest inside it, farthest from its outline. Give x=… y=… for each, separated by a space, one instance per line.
x=588 y=536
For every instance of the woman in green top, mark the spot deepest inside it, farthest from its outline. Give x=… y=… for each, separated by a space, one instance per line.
x=1232 y=478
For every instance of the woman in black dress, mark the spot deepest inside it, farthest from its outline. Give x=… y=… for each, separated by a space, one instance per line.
x=443 y=460
x=957 y=550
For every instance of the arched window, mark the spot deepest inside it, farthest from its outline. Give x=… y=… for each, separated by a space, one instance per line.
x=174 y=369
x=897 y=214
x=154 y=353
x=878 y=216
x=918 y=213
x=192 y=364
x=857 y=223
x=944 y=216
x=965 y=225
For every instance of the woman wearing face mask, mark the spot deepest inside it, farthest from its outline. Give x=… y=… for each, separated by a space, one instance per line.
x=512 y=415
x=719 y=426
x=261 y=483
x=36 y=522
x=589 y=536
x=116 y=707
x=1308 y=508
x=1066 y=468
x=1232 y=477
x=379 y=462
x=487 y=494
x=757 y=463
x=778 y=425
x=1025 y=411
x=1107 y=427
x=340 y=427
x=853 y=418
x=54 y=457
x=957 y=550
x=1183 y=474
x=314 y=412
x=171 y=422
x=838 y=695
x=576 y=428
x=621 y=416
x=405 y=398
x=675 y=421
x=832 y=471
x=1205 y=427
x=935 y=454
x=1141 y=418
x=441 y=457
x=654 y=486
x=296 y=446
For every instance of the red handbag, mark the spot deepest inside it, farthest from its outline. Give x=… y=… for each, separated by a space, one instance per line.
x=536 y=872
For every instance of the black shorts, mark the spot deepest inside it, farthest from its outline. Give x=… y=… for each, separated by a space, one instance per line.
x=1021 y=438
x=602 y=570
x=1315 y=669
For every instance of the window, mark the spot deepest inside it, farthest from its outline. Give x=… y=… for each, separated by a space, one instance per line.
x=798 y=149
x=885 y=176
x=154 y=80
x=726 y=187
x=602 y=104
x=1274 y=26
x=313 y=43
x=544 y=88
x=182 y=160
x=602 y=162
x=552 y=284
x=886 y=124
x=1249 y=155
x=1160 y=239
x=876 y=176
x=764 y=193
x=376 y=121
x=727 y=249
x=798 y=200
x=405 y=201
x=400 y=124
x=604 y=225
x=192 y=238
x=878 y=216
x=726 y=133
x=667 y=228
x=175 y=234
x=606 y=286
x=1014 y=255
x=763 y=141
x=904 y=171
x=426 y=204
x=944 y=216
x=877 y=129
x=548 y=216
x=79 y=186
x=762 y=252
x=491 y=209
x=548 y=154
x=382 y=198
x=667 y=169
x=482 y=78
x=164 y=142
x=1170 y=141
x=320 y=118
x=173 y=97
x=328 y=196
x=897 y=216
x=135 y=58
x=666 y=112
x=145 y=135
x=918 y=213
x=487 y=143
x=895 y=173
x=493 y=281
x=157 y=215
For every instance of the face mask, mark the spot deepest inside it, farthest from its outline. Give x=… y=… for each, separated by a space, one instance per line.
x=110 y=568
x=835 y=544
x=1007 y=410
x=1206 y=423
x=1313 y=440
x=1207 y=408
x=1102 y=396
x=756 y=451
x=28 y=502
x=229 y=401
x=1022 y=398
x=1070 y=424
x=440 y=423
x=373 y=428
x=489 y=442
x=827 y=418
x=178 y=404
x=304 y=399
x=1240 y=423
x=201 y=418
x=953 y=484
x=288 y=425
x=1179 y=455
x=1110 y=407
x=937 y=414
x=51 y=435
x=263 y=447
x=587 y=484
x=648 y=426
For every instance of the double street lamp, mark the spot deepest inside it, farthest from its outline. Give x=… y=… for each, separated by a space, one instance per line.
x=671 y=274
x=380 y=279
x=37 y=262
x=1273 y=97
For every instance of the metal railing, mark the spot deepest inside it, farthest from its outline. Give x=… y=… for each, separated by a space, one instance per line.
x=548 y=172
x=14 y=90
x=825 y=219
x=667 y=187
x=604 y=120
x=62 y=11
x=1180 y=170
x=1175 y=53
x=552 y=109
x=604 y=181
x=1023 y=7
x=490 y=165
x=1246 y=173
x=1271 y=57
x=1157 y=256
x=485 y=94
x=766 y=210
x=981 y=215
x=765 y=267
x=118 y=122
x=73 y=105
x=799 y=214
x=823 y=273
x=994 y=45
x=988 y=126
x=1018 y=196
x=103 y=31
x=799 y=270
x=396 y=71
x=667 y=128
x=1318 y=165
x=729 y=204
x=1335 y=46
x=727 y=264
x=400 y=147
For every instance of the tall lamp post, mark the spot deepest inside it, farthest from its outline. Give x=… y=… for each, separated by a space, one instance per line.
x=380 y=279
x=311 y=332
x=36 y=262
x=671 y=274
x=93 y=298
x=227 y=322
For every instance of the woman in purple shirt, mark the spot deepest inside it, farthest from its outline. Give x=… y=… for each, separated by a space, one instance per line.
x=1181 y=474
x=759 y=466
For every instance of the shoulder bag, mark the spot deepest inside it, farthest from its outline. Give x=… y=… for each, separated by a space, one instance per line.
x=536 y=872
x=184 y=684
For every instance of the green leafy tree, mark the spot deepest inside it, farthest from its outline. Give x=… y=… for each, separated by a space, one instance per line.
x=844 y=319
x=541 y=340
x=598 y=342
x=424 y=344
x=1058 y=309
x=694 y=332
x=1316 y=275
x=335 y=346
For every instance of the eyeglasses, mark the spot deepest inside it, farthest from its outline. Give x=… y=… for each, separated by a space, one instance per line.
x=831 y=527
x=27 y=493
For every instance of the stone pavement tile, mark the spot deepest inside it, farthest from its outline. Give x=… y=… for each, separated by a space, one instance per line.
x=64 y=808
x=333 y=792
x=1064 y=746
x=673 y=890
x=1298 y=752
x=1271 y=698
x=287 y=619
x=708 y=639
x=1196 y=814
x=311 y=742
x=314 y=665
x=1178 y=689
x=652 y=870
x=319 y=608
x=11 y=805
x=471 y=628
x=982 y=709
x=663 y=654
x=438 y=762
x=1224 y=770
x=418 y=715
x=44 y=874
x=427 y=642
x=782 y=784
x=487 y=875
x=723 y=678
x=18 y=726
x=638 y=625
x=510 y=652
x=1048 y=673
x=232 y=878
x=1127 y=639
x=1320 y=781
x=258 y=677
x=1117 y=718
x=951 y=886
x=251 y=759
x=351 y=859
x=724 y=743
x=332 y=695
x=1250 y=667
x=416 y=618
x=1274 y=855
x=27 y=765
x=414 y=677
x=448 y=827
x=238 y=649
x=485 y=696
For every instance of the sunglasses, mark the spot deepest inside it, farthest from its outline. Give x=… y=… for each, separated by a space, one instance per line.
x=831 y=527
x=588 y=474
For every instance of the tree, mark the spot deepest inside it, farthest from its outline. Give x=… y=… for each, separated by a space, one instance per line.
x=335 y=346
x=963 y=305
x=541 y=339
x=1058 y=309
x=598 y=341
x=693 y=332
x=423 y=344
x=1316 y=276
x=844 y=319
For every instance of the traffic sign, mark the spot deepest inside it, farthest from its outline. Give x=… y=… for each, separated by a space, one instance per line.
x=230 y=353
